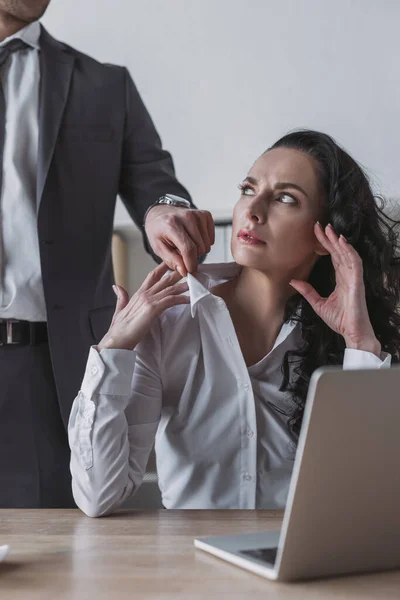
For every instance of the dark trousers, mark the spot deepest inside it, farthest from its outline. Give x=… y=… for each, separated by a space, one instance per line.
x=34 y=451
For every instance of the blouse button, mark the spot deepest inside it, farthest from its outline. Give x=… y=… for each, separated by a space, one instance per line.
x=93 y=371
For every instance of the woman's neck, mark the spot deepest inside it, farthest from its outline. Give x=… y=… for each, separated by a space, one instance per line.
x=257 y=305
x=260 y=297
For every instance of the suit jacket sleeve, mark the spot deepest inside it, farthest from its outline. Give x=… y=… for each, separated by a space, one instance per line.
x=147 y=170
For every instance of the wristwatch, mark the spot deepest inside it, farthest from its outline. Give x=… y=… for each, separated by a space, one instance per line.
x=170 y=199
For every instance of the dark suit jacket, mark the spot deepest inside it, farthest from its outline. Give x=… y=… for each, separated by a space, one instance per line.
x=96 y=141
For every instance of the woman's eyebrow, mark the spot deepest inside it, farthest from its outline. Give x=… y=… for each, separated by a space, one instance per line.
x=287 y=184
x=279 y=186
x=250 y=179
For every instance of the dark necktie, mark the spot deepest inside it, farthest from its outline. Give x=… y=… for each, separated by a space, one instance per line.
x=5 y=53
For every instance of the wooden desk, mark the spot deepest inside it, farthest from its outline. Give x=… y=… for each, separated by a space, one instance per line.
x=61 y=554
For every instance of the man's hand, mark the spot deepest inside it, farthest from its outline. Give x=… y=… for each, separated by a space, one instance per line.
x=179 y=236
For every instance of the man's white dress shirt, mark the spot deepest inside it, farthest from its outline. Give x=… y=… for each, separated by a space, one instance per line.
x=21 y=288
x=220 y=428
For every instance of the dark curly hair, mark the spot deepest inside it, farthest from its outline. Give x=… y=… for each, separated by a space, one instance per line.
x=354 y=211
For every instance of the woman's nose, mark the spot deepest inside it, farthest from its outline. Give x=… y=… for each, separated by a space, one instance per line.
x=257 y=213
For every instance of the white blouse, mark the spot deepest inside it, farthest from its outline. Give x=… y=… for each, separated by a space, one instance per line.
x=220 y=428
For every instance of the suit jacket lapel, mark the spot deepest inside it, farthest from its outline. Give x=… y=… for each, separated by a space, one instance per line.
x=56 y=67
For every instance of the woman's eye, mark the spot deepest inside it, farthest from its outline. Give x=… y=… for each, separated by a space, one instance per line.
x=287 y=199
x=246 y=190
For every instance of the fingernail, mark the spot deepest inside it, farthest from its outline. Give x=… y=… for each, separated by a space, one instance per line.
x=343 y=238
x=318 y=223
x=329 y=225
x=115 y=290
x=180 y=271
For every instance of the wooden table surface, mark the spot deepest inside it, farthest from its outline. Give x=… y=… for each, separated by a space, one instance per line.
x=61 y=554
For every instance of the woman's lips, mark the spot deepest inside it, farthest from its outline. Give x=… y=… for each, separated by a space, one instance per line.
x=249 y=237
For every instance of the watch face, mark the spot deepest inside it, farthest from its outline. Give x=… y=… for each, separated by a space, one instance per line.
x=174 y=200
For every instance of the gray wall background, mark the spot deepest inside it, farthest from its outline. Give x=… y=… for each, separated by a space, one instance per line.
x=223 y=79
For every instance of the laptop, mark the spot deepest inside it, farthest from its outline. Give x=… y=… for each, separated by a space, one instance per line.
x=343 y=509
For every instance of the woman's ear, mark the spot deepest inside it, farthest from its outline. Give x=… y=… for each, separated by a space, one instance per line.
x=319 y=249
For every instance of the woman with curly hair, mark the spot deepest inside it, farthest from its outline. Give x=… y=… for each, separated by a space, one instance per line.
x=218 y=377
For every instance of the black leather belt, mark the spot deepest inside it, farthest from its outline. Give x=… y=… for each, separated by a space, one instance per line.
x=24 y=333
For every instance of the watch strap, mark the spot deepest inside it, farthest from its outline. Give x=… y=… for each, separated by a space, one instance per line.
x=169 y=200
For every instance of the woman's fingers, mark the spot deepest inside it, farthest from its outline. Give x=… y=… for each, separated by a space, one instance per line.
x=336 y=245
x=122 y=301
x=309 y=293
x=350 y=254
x=346 y=256
x=171 y=296
x=168 y=280
x=154 y=276
x=122 y=298
x=172 y=290
x=342 y=253
x=170 y=301
x=322 y=236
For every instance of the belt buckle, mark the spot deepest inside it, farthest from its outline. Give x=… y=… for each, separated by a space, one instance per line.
x=9 y=331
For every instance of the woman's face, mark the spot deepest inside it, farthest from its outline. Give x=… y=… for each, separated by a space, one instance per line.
x=273 y=221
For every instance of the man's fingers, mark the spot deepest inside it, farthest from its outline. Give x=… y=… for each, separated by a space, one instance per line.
x=201 y=229
x=309 y=293
x=192 y=234
x=190 y=257
x=181 y=237
x=210 y=226
x=203 y=226
x=171 y=258
x=200 y=225
x=181 y=250
x=195 y=232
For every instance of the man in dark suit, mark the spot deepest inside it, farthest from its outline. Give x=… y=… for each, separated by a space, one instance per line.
x=74 y=134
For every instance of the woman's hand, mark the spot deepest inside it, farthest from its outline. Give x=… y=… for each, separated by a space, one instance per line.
x=133 y=318
x=345 y=311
